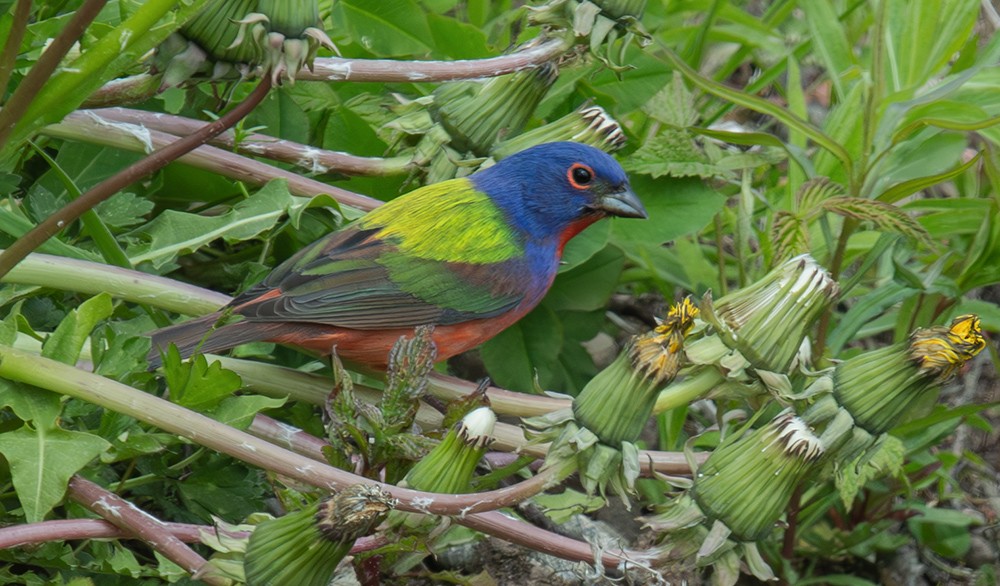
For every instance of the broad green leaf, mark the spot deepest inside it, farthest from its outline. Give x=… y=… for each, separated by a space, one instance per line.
x=514 y=355
x=239 y=411
x=921 y=37
x=945 y=531
x=196 y=384
x=29 y=403
x=673 y=105
x=830 y=41
x=925 y=157
x=42 y=462
x=282 y=116
x=457 y=40
x=173 y=233
x=390 y=28
x=588 y=286
x=676 y=207
x=67 y=341
x=585 y=245
x=851 y=477
x=124 y=210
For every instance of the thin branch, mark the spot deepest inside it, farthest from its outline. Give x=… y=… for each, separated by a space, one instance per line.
x=85 y=126
x=12 y=47
x=105 y=189
x=45 y=66
x=13 y=536
x=312 y=159
x=138 y=88
x=543 y=541
x=387 y=70
x=140 y=524
x=71 y=529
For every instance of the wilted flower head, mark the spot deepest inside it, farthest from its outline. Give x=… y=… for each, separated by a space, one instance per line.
x=941 y=350
x=658 y=354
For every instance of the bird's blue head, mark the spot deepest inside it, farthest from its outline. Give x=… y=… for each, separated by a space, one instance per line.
x=556 y=189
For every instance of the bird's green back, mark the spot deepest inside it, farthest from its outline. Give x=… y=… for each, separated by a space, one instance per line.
x=449 y=221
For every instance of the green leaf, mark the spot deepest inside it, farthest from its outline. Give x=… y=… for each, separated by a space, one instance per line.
x=42 y=462
x=906 y=188
x=196 y=384
x=124 y=210
x=390 y=28
x=886 y=217
x=588 y=286
x=676 y=207
x=173 y=233
x=830 y=41
x=67 y=341
x=945 y=531
x=457 y=40
x=514 y=355
x=887 y=460
x=673 y=105
x=282 y=116
x=671 y=152
x=239 y=411
x=585 y=245
x=763 y=106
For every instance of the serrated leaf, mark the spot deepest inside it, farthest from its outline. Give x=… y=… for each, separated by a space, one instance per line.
x=67 y=341
x=42 y=462
x=173 y=233
x=124 y=210
x=671 y=152
x=789 y=236
x=196 y=384
x=886 y=217
x=886 y=460
x=673 y=105
x=810 y=196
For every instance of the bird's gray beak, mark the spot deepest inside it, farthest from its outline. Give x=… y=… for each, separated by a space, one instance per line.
x=623 y=203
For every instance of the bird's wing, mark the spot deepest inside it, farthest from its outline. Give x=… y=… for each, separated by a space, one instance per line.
x=389 y=271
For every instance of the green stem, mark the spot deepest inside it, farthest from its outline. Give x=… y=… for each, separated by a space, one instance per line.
x=688 y=390
x=18 y=365
x=105 y=189
x=14 y=111
x=92 y=223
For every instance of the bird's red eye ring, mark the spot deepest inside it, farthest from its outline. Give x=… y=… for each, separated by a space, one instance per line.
x=580 y=176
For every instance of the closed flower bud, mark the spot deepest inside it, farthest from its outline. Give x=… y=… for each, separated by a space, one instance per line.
x=304 y=547
x=747 y=483
x=616 y=404
x=879 y=388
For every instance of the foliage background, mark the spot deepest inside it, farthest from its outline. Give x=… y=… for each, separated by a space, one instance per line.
x=732 y=112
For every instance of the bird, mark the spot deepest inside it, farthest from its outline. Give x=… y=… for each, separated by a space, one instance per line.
x=468 y=256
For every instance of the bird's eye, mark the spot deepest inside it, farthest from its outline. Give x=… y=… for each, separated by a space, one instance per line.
x=580 y=175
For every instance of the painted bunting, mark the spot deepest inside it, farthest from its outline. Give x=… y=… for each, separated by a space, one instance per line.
x=470 y=256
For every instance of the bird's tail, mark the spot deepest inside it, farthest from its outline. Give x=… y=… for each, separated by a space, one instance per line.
x=203 y=334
